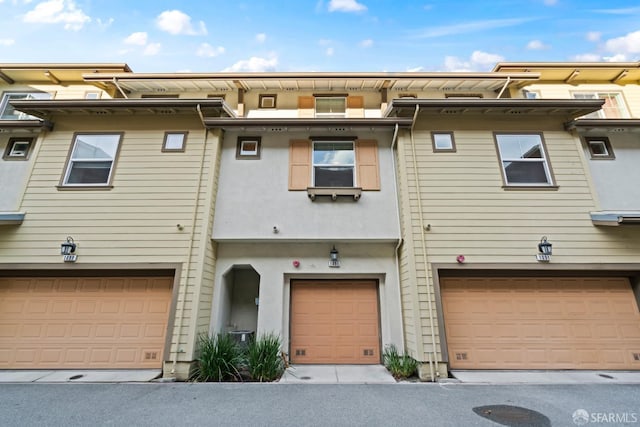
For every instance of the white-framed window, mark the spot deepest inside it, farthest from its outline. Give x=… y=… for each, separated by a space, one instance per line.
x=92 y=95
x=174 y=141
x=599 y=147
x=531 y=94
x=267 y=101
x=443 y=142
x=334 y=164
x=92 y=159
x=331 y=106
x=7 y=112
x=248 y=148
x=523 y=160
x=613 y=108
x=18 y=149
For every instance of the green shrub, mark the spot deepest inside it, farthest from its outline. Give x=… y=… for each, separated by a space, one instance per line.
x=400 y=366
x=219 y=359
x=264 y=358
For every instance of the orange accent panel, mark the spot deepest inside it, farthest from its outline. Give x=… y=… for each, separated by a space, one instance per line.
x=367 y=164
x=299 y=164
x=306 y=102
x=90 y=323
x=541 y=323
x=355 y=102
x=335 y=322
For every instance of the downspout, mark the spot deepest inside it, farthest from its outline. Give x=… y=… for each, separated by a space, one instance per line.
x=191 y=237
x=424 y=249
x=394 y=140
x=506 y=84
x=115 y=82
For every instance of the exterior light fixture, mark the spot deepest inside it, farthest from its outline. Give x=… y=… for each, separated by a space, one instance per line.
x=544 y=249
x=67 y=250
x=334 y=261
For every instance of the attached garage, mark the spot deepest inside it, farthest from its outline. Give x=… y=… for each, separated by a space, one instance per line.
x=83 y=322
x=541 y=323
x=335 y=322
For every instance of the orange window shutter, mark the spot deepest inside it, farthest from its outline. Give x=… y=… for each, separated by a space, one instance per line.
x=355 y=102
x=299 y=164
x=306 y=102
x=367 y=164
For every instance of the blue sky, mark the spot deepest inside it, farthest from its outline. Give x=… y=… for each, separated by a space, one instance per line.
x=320 y=35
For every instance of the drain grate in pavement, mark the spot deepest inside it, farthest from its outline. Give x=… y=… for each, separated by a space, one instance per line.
x=76 y=377
x=512 y=416
x=606 y=376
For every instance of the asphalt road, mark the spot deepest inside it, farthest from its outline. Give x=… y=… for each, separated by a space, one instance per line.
x=188 y=404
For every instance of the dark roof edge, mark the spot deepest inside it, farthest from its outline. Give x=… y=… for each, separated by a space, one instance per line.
x=272 y=122
x=603 y=123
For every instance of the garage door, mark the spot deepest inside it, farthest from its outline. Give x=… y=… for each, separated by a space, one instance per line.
x=88 y=322
x=335 y=322
x=541 y=323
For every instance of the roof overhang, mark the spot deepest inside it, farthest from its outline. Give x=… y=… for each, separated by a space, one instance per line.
x=56 y=72
x=286 y=124
x=577 y=72
x=11 y=218
x=309 y=81
x=562 y=108
x=45 y=109
x=34 y=125
x=605 y=125
x=613 y=218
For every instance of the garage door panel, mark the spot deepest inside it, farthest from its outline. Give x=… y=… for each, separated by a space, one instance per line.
x=332 y=322
x=570 y=323
x=83 y=322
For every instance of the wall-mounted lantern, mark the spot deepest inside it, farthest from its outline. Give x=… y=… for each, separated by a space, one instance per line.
x=544 y=249
x=67 y=250
x=334 y=261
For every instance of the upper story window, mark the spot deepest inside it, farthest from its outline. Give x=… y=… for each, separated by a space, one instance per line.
x=443 y=142
x=334 y=164
x=331 y=106
x=91 y=160
x=7 y=112
x=531 y=94
x=523 y=160
x=613 y=108
x=599 y=148
x=267 y=101
x=18 y=149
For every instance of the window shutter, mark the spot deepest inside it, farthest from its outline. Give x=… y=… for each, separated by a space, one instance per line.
x=299 y=164
x=355 y=106
x=306 y=106
x=367 y=164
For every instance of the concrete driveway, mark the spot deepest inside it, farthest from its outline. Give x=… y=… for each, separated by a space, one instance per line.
x=79 y=376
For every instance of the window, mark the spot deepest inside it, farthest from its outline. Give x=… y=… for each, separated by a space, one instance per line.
x=600 y=148
x=174 y=141
x=330 y=106
x=531 y=94
x=613 y=108
x=91 y=160
x=92 y=95
x=248 y=148
x=18 y=149
x=333 y=164
x=7 y=112
x=267 y=101
x=443 y=142
x=523 y=160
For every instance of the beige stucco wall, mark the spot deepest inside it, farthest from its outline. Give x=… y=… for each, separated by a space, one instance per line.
x=465 y=211
x=136 y=221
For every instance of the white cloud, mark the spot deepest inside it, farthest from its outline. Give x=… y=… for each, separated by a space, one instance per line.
x=58 y=11
x=7 y=42
x=587 y=57
x=104 y=24
x=628 y=45
x=261 y=38
x=616 y=58
x=139 y=38
x=415 y=69
x=208 y=51
x=479 y=61
x=329 y=51
x=152 y=49
x=346 y=6
x=536 y=45
x=593 y=36
x=176 y=22
x=254 y=65
x=366 y=43
x=470 y=27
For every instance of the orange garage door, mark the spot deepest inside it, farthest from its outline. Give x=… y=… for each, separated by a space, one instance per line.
x=335 y=322
x=87 y=322
x=541 y=323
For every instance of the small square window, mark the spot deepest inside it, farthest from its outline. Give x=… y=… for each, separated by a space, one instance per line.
x=600 y=148
x=443 y=142
x=531 y=94
x=18 y=149
x=248 y=148
x=92 y=95
x=267 y=101
x=174 y=141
